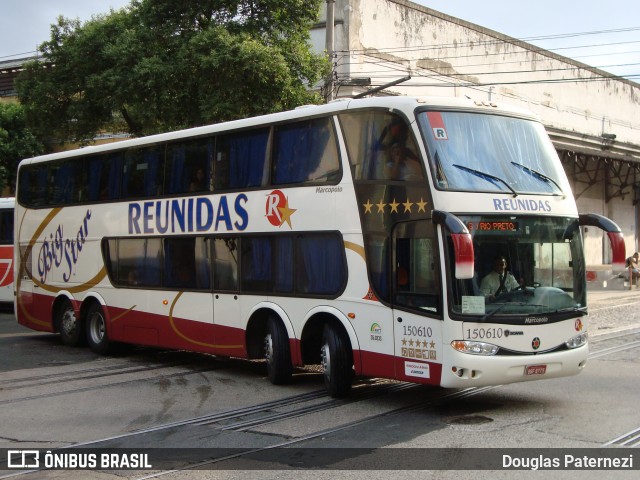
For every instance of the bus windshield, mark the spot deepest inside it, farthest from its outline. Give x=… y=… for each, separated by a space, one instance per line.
x=490 y=153
x=525 y=266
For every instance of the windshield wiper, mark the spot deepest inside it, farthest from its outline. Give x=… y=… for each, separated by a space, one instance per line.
x=540 y=176
x=493 y=312
x=486 y=176
x=581 y=310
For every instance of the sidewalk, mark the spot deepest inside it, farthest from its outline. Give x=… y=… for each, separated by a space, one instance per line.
x=612 y=311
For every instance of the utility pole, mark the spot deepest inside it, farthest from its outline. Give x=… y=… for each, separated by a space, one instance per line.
x=329 y=42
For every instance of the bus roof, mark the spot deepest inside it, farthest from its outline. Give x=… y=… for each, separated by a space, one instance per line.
x=407 y=104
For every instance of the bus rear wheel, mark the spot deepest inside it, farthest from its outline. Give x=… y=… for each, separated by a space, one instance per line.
x=277 y=353
x=97 y=337
x=336 y=362
x=69 y=325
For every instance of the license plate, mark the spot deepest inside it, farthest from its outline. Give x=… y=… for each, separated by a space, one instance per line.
x=535 y=370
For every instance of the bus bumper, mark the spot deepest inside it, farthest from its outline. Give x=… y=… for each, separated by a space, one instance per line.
x=466 y=370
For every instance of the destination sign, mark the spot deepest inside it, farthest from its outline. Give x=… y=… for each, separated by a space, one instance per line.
x=493 y=226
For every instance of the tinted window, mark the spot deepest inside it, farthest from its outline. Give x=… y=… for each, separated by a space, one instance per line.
x=104 y=177
x=381 y=147
x=189 y=167
x=314 y=261
x=6 y=227
x=225 y=275
x=305 y=152
x=321 y=268
x=143 y=173
x=240 y=159
x=174 y=263
x=139 y=262
x=33 y=185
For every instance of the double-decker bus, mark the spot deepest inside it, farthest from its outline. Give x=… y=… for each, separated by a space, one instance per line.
x=6 y=251
x=354 y=235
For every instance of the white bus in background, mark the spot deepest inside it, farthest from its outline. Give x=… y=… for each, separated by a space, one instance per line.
x=6 y=250
x=354 y=235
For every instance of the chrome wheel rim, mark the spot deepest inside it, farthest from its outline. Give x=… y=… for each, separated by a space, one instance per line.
x=68 y=324
x=97 y=328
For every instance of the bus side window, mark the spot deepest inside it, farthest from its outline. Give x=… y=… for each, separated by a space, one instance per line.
x=240 y=159
x=104 y=177
x=370 y=137
x=416 y=275
x=320 y=265
x=6 y=227
x=257 y=265
x=189 y=167
x=33 y=185
x=180 y=264
x=225 y=262
x=143 y=172
x=305 y=152
x=139 y=262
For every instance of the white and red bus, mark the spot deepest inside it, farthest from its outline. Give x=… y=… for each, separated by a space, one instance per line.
x=355 y=235
x=6 y=250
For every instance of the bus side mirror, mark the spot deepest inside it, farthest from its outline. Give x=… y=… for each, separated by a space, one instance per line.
x=613 y=232
x=462 y=243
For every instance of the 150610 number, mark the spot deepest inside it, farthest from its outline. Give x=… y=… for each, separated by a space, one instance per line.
x=483 y=333
x=412 y=331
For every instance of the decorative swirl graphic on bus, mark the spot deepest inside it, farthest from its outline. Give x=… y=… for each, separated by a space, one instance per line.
x=58 y=252
x=6 y=266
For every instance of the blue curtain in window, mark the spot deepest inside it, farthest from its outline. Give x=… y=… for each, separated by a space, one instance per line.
x=64 y=184
x=323 y=264
x=299 y=150
x=246 y=159
x=152 y=185
x=113 y=184
x=284 y=264
x=95 y=178
x=35 y=182
x=149 y=265
x=256 y=262
x=179 y=172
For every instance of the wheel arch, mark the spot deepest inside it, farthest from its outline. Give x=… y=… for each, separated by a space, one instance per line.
x=62 y=297
x=256 y=329
x=311 y=337
x=92 y=299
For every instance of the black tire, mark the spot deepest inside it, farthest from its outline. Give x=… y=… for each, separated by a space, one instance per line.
x=277 y=352
x=96 y=325
x=69 y=325
x=336 y=361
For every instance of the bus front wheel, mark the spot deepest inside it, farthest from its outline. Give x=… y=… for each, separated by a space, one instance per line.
x=277 y=353
x=69 y=325
x=97 y=337
x=336 y=361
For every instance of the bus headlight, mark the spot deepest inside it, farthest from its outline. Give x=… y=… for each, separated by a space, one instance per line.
x=474 y=348
x=577 y=341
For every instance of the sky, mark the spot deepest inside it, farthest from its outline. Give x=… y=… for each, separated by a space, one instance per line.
x=24 y=24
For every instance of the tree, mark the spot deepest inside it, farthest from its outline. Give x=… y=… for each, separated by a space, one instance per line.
x=161 y=65
x=16 y=142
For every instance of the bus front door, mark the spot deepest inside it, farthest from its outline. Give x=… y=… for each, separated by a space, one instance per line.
x=417 y=303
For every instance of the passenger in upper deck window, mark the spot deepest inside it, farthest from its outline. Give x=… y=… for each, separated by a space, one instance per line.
x=403 y=164
x=197 y=183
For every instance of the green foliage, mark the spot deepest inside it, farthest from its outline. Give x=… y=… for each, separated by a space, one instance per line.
x=162 y=65
x=16 y=142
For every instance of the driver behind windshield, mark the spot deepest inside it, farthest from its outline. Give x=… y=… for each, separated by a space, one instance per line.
x=498 y=281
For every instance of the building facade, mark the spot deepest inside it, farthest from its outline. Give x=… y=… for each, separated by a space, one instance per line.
x=591 y=115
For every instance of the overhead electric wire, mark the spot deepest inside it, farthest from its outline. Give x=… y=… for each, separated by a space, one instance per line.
x=472 y=43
